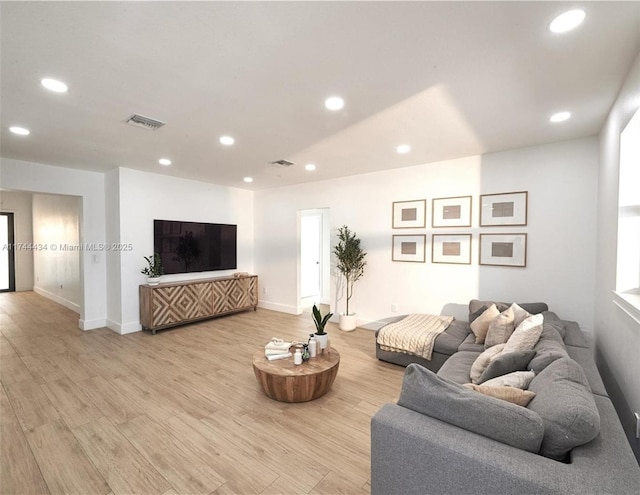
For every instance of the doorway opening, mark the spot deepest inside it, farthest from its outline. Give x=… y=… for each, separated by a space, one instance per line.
x=315 y=260
x=7 y=253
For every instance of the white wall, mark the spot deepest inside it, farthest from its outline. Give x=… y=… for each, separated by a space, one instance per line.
x=112 y=230
x=36 y=177
x=560 y=179
x=144 y=197
x=19 y=203
x=56 y=259
x=617 y=334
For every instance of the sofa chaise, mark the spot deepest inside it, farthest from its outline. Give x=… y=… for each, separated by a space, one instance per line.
x=443 y=437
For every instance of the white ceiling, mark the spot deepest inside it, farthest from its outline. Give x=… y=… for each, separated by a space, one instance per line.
x=451 y=79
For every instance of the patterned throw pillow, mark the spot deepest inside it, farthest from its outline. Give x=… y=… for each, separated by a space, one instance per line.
x=526 y=336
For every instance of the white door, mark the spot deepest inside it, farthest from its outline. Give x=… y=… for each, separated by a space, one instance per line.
x=310 y=254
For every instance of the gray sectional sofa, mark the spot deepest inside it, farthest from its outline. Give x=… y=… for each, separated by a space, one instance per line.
x=444 y=438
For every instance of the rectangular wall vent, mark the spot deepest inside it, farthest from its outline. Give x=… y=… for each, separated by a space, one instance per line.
x=144 y=122
x=282 y=163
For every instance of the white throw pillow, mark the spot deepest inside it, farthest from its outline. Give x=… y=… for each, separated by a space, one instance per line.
x=517 y=379
x=500 y=329
x=519 y=315
x=483 y=360
x=480 y=325
x=526 y=336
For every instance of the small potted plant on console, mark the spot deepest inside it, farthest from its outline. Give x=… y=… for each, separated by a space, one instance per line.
x=321 y=336
x=154 y=269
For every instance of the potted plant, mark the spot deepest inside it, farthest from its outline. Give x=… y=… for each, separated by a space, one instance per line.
x=321 y=336
x=350 y=263
x=154 y=269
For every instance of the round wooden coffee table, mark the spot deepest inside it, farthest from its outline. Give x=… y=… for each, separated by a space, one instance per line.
x=284 y=381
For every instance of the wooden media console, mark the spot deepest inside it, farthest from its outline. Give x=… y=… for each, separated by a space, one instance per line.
x=176 y=303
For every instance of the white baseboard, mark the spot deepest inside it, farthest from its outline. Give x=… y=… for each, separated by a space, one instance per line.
x=60 y=300
x=282 y=308
x=91 y=324
x=123 y=329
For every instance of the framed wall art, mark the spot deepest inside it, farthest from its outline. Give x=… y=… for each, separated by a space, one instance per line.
x=409 y=248
x=409 y=214
x=451 y=248
x=451 y=212
x=507 y=209
x=503 y=249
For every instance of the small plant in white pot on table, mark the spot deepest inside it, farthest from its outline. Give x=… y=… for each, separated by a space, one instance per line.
x=321 y=336
x=350 y=263
x=154 y=269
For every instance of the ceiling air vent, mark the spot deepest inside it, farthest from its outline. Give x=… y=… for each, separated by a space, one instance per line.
x=282 y=163
x=144 y=122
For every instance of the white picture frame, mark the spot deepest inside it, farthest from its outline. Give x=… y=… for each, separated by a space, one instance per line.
x=451 y=249
x=451 y=212
x=503 y=250
x=504 y=209
x=409 y=214
x=409 y=248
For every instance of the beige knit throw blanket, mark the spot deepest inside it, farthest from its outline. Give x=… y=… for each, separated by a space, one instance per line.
x=415 y=334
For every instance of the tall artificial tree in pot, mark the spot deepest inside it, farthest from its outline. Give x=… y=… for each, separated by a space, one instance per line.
x=350 y=263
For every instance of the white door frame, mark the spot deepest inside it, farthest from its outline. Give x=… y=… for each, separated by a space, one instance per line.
x=325 y=255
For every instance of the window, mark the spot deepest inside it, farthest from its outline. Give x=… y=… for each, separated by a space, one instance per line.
x=628 y=268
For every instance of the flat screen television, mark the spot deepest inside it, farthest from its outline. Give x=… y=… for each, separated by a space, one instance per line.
x=186 y=247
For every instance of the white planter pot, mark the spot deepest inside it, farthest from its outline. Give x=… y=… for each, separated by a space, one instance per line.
x=153 y=280
x=348 y=322
x=323 y=340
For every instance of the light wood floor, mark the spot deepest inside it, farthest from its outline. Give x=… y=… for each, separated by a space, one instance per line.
x=179 y=412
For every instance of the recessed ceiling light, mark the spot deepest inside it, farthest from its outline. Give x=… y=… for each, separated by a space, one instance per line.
x=403 y=148
x=248 y=179
x=560 y=117
x=54 y=85
x=20 y=131
x=334 y=103
x=227 y=140
x=567 y=21
x=164 y=161
x=310 y=167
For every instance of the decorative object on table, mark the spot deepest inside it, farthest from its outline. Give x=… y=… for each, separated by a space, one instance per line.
x=506 y=209
x=320 y=321
x=350 y=263
x=409 y=214
x=312 y=344
x=451 y=212
x=275 y=357
x=409 y=248
x=305 y=352
x=503 y=249
x=297 y=357
x=154 y=269
x=451 y=248
x=277 y=347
